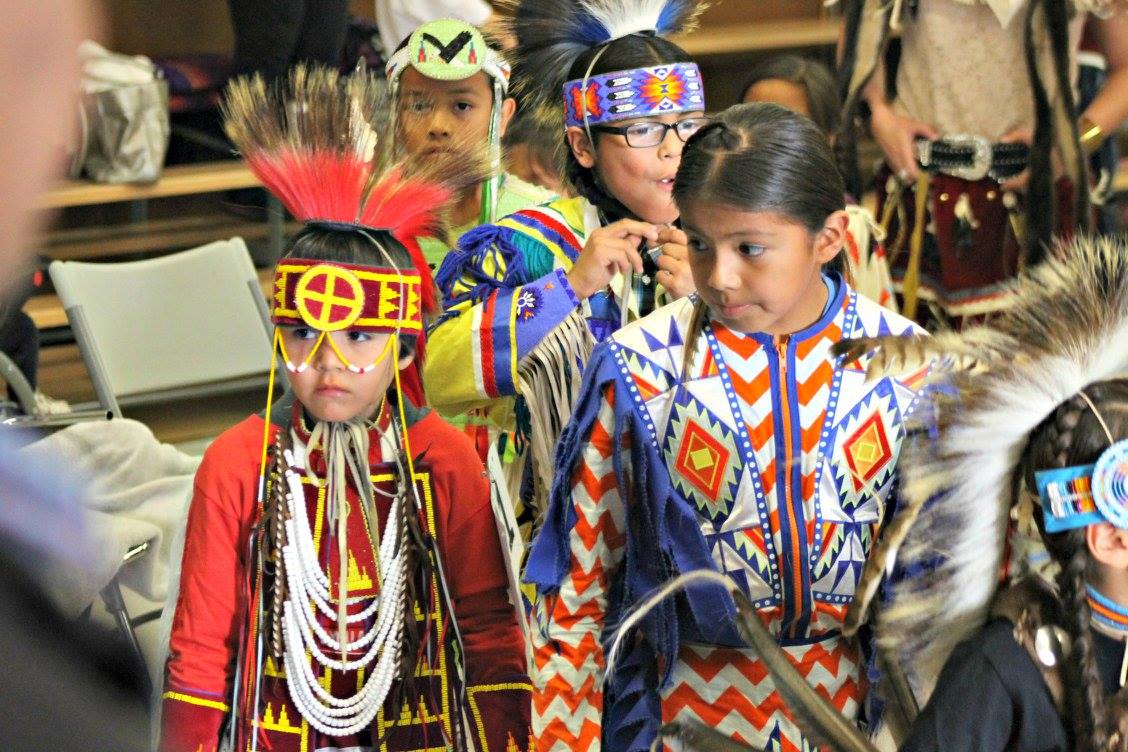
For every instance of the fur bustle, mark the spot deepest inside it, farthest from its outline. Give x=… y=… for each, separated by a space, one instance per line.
x=1067 y=330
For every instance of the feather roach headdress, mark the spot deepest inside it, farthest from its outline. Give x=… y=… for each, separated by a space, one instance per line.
x=1068 y=330
x=552 y=34
x=315 y=141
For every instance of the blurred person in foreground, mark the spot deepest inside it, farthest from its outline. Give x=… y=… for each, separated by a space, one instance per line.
x=60 y=689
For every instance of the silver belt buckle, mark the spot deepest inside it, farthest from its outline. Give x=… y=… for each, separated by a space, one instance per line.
x=980 y=160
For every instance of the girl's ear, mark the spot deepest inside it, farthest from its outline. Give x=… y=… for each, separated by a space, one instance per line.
x=581 y=146
x=830 y=240
x=405 y=361
x=1108 y=545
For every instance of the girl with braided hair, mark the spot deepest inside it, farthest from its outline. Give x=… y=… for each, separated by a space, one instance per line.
x=1048 y=670
x=720 y=432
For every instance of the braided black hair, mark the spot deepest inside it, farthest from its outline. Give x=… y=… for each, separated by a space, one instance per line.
x=1073 y=435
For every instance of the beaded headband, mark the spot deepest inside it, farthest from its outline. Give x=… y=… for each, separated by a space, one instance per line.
x=1074 y=497
x=642 y=92
x=449 y=50
x=329 y=297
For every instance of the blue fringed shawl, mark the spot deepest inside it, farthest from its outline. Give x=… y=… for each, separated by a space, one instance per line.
x=663 y=539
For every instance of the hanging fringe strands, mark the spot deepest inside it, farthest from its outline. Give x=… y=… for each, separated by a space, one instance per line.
x=550 y=383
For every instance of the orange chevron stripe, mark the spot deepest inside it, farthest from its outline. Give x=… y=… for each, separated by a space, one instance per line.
x=601 y=440
x=761 y=433
x=567 y=617
x=822 y=376
x=558 y=688
x=596 y=487
x=575 y=655
x=556 y=731
x=812 y=434
x=745 y=347
x=709 y=366
x=604 y=527
x=707 y=667
x=913 y=380
x=647 y=389
x=751 y=391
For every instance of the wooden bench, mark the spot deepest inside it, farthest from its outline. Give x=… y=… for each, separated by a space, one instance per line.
x=180 y=180
x=144 y=235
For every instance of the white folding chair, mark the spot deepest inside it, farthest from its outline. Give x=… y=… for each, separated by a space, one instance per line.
x=187 y=324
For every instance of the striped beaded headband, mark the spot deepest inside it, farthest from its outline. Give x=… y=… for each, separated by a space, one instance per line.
x=1074 y=497
x=637 y=93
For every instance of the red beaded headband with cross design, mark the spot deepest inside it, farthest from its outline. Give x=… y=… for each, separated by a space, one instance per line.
x=329 y=297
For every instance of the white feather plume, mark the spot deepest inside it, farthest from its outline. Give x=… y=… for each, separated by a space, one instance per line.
x=1068 y=330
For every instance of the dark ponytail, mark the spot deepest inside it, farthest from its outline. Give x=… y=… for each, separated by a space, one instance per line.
x=762 y=157
x=1073 y=435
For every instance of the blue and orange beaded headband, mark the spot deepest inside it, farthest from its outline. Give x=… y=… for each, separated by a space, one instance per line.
x=640 y=92
x=1074 y=497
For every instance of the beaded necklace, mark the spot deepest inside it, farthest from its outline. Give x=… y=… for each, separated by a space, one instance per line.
x=1111 y=618
x=309 y=599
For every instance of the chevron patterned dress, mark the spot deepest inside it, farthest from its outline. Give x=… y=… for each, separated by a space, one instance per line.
x=767 y=460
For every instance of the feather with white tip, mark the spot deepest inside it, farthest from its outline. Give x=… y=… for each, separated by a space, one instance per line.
x=1068 y=329
x=552 y=34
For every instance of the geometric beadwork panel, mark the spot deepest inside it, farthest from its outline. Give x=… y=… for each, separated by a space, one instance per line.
x=703 y=457
x=867 y=451
x=867 y=442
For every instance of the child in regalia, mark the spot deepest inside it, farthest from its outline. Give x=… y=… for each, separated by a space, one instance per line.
x=527 y=296
x=343 y=586
x=1042 y=420
x=449 y=88
x=720 y=432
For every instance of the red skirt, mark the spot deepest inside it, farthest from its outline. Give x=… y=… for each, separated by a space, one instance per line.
x=971 y=246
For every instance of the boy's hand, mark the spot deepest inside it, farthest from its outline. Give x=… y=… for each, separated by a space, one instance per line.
x=609 y=250
x=673 y=263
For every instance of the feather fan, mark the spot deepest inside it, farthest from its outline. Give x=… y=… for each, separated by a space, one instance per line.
x=314 y=141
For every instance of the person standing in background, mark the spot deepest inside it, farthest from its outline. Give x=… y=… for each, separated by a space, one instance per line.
x=271 y=36
x=398 y=18
x=984 y=160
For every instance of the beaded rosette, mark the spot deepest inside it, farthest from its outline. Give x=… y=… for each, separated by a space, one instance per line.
x=1074 y=497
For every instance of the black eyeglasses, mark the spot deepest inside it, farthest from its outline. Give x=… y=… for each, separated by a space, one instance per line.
x=651 y=133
